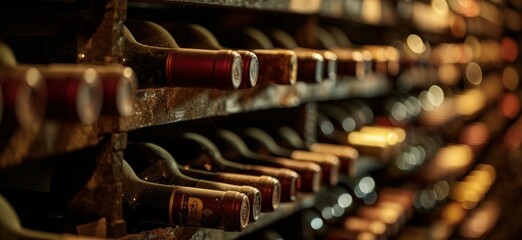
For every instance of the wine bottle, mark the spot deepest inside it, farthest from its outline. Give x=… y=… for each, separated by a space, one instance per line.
x=196 y=151
x=234 y=148
x=22 y=94
x=74 y=93
x=155 y=35
x=119 y=90
x=310 y=64
x=10 y=227
x=22 y=98
x=146 y=202
x=275 y=66
x=154 y=164
x=269 y=187
x=351 y=61
x=347 y=155
x=282 y=39
x=181 y=67
x=263 y=142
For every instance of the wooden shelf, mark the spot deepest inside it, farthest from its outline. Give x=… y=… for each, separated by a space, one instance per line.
x=296 y=6
x=168 y=105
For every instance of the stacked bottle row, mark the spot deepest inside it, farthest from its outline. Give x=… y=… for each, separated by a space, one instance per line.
x=165 y=177
x=425 y=141
x=68 y=92
x=442 y=183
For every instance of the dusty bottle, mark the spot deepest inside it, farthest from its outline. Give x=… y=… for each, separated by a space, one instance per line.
x=269 y=187
x=234 y=148
x=347 y=155
x=154 y=164
x=351 y=61
x=309 y=63
x=275 y=66
x=180 y=67
x=262 y=142
x=146 y=202
x=308 y=68
x=196 y=36
x=196 y=151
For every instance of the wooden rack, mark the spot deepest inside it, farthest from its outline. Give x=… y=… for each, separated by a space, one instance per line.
x=160 y=106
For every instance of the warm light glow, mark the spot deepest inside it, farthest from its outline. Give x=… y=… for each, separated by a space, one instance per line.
x=467 y=193
x=491 y=13
x=441 y=114
x=480 y=221
x=449 y=74
x=337 y=150
x=377 y=227
x=451 y=53
x=457 y=25
x=398 y=133
x=475 y=135
x=510 y=105
x=454 y=157
x=510 y=78
x=440 y=6
x=509 y=49
x=513 y=136
x=475 y=46
x=470 y=102
x=416 y=44
x=486 y=172
x=393 y=56
x=365 y=139
x=429 y=18
x=371 y=11
x=492 y=87
x=474 y=73
x=468 y=8
x=387 y=215
x=453 y=213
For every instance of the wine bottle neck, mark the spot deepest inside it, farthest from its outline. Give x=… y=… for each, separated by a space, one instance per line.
x=148 y=62
x=147 y=202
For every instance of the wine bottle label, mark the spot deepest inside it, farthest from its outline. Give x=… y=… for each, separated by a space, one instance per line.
x=194 y=211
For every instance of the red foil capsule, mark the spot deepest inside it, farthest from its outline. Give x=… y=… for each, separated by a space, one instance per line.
x=223 y=68
x=74 y=93
x=22 y=96
x=119 y=90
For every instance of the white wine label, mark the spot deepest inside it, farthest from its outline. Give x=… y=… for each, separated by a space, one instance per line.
x=194 y=211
